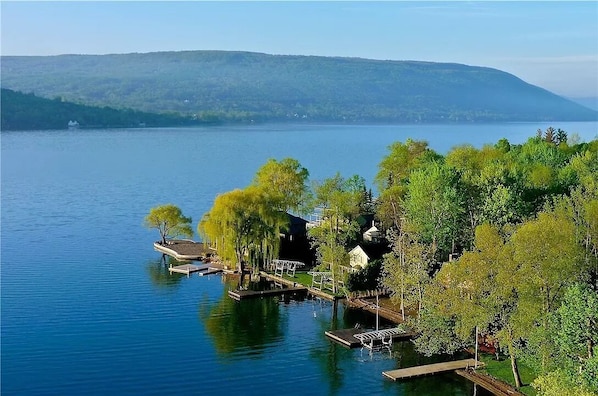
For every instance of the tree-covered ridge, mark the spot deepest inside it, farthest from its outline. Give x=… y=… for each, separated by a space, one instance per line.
x=28 y=112
x=222 y=85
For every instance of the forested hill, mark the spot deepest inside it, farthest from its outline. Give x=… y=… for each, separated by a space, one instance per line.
x=221 y=85
x=28 y=112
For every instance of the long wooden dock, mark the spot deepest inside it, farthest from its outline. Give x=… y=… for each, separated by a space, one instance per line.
x=370 y=306
x=428 y=369
x=491 y=384
x=244 y=294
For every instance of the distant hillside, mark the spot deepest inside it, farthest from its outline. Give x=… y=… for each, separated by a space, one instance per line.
x=28 y=112
x=221 y=85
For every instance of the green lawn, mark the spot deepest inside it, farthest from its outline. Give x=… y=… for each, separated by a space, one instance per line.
x=502 y=370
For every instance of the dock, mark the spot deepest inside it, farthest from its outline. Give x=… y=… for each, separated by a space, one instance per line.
x=245 y=294
x=187 y=269
x=491 y=384
x=369 y=306
x=355 y=337
x=312 y=290
x=345 y=337
x=429 y=369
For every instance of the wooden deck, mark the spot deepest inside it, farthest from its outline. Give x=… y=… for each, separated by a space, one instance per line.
x=244 y=294
x=428 y=369
x=345 y=337
x=187 y=269
x=491 y=384
x=370 y=306
x=183 y=249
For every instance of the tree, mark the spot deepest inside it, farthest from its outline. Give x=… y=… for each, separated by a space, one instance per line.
x=434 y=207
x=169 y=221
x=339 y=200
x=283 y=183
x=244 y=226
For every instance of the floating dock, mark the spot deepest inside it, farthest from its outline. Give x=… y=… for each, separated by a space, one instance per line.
x=245 y=294
x=187 y=269
x=429 y=369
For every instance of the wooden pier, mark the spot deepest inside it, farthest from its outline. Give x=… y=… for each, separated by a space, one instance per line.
x=345 y=337
x=491 y=384
x=313 y=291
x=245 y=294
x=370 y=306
x=187 y=269
x=429 y=369
x=352 y=338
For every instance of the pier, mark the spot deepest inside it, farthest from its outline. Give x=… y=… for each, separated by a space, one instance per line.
x=371 y=307
x=313 y=291
x=245 y=294
x=491 y=384
x=429 y=369
x=187 y=269
x=356 y=337
x=345 y=337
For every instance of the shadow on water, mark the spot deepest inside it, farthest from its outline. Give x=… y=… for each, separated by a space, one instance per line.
x=252 y=325
x=159 y=274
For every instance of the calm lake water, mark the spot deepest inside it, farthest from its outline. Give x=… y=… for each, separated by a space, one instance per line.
x=87 y=307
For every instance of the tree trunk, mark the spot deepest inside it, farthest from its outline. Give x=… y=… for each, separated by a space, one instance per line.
x=514 y=367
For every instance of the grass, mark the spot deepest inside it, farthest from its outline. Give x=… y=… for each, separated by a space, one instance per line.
x=501 y=369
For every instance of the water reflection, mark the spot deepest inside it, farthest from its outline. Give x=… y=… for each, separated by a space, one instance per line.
x=250 y=325
x=159 y=274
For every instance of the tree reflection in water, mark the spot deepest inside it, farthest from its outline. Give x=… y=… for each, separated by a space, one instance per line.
x=252 y=324
x=159 y=274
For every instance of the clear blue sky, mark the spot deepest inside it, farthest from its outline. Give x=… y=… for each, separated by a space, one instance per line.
x=550 y=44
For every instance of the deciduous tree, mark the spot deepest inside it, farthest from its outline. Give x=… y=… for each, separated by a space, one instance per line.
x=169 y=221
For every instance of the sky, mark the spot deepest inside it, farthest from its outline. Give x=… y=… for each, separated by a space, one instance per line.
x=550 y=44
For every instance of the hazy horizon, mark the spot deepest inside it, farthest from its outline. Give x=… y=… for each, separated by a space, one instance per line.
x=553 y=45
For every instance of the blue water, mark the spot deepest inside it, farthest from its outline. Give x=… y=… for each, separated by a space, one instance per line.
x=87 y=307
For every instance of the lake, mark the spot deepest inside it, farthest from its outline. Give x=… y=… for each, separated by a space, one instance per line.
x=87 y=307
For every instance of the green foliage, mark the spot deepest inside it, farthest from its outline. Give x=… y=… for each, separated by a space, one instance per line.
x=216 y=86
x=28 y=112
x=169 y=221
x=366 y=278
x=284 y=183
x=434 y=207
x=245 y=225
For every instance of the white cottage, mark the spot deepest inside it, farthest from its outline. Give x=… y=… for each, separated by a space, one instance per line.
x=362 y=255
x=372 y=235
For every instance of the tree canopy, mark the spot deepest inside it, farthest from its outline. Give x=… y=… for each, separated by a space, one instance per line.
x=169 y=221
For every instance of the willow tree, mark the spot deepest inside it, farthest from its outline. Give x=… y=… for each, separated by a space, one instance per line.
x=245 y=224
x=243 y=227
x=169 y=221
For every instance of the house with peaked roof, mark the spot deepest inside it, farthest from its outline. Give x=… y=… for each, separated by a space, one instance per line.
x=372 y=235
x=363 y=254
